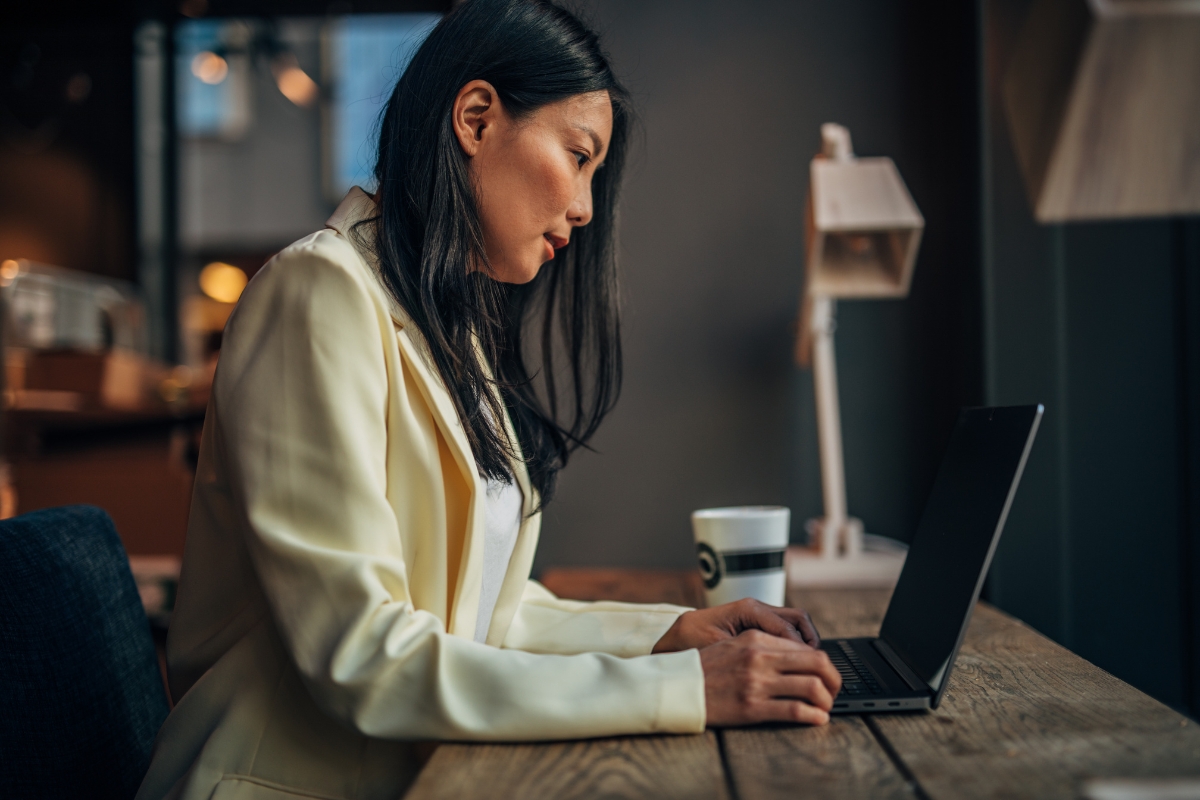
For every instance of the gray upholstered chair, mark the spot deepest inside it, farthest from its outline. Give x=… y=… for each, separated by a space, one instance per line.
x=81 y=697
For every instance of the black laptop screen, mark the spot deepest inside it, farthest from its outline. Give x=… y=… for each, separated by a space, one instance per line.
x=953 y=543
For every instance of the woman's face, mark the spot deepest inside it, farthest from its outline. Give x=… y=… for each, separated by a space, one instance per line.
x=533 y=175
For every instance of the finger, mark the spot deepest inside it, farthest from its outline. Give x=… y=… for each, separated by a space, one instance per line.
x=801 y=687
x=800 y=619
x=807 y=629
x=769 y=641
x=766 y=618
x=810 y=662
x=792 y=711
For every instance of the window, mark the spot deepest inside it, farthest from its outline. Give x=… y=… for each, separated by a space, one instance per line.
x=367 y=55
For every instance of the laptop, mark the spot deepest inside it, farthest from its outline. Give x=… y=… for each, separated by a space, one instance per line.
x=908 y=666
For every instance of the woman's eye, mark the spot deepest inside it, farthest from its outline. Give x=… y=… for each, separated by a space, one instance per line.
x=581 y=159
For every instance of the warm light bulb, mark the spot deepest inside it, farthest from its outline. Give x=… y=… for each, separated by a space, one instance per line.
x=294 y=82
x=860 y=246
x=222 y=282
x=209 y=67
x=9 y=270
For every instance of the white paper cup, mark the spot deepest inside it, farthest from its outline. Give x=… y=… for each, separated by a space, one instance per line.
x=740 y=552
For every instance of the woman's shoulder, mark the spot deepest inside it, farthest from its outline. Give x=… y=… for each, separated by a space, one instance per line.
x=321 y=261
x=324 y=253
x=315 y=287
x=322 y=266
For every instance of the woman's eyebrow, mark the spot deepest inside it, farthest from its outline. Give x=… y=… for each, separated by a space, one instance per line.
x=595 y=136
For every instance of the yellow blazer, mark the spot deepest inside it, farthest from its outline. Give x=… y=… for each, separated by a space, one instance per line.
x=326 y=613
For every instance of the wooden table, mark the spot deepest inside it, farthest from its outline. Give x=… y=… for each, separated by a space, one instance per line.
x=1023 y=717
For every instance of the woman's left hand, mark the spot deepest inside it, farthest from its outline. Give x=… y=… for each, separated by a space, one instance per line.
x=706 y=626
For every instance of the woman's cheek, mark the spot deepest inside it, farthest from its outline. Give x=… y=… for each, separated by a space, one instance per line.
x=555 y=190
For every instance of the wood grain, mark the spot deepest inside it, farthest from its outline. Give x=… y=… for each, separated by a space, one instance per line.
x=838 y=760
x=629 y=767
x=1024 y=717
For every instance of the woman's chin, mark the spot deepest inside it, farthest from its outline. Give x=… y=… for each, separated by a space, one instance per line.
x=527 y=276
x=517 y=275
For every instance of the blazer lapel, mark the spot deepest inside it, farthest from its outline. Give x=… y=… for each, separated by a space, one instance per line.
x=464 y=609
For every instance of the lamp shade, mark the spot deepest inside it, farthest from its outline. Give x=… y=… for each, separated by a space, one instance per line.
x=863 y=230
x=1101 y=100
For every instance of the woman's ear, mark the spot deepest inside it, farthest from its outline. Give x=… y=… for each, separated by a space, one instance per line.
x=476 y=111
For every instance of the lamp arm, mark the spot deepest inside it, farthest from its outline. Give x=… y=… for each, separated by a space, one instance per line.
x=823 y=322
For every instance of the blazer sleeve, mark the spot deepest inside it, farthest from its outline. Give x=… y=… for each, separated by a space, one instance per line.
x=548 y=624
x=301 y=398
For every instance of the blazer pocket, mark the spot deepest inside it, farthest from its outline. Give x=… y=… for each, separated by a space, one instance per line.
x=242 y=787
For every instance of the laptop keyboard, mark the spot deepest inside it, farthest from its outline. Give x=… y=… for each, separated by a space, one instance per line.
x=857 y=680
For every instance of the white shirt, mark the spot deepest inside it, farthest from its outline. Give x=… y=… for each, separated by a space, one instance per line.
x=502 y=520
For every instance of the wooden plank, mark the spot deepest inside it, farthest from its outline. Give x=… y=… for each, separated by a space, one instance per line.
x=839 y=760
x=627 y=767
x=681 y=587
x=1024 y=716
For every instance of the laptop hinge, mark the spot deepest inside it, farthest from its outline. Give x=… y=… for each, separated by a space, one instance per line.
x=897 y=663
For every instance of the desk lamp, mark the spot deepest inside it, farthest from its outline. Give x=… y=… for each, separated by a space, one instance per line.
x=863 y=230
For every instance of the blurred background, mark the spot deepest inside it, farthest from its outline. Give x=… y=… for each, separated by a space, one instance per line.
x=153 y=156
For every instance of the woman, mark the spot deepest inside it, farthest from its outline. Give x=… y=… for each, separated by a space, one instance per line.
x=377 y=452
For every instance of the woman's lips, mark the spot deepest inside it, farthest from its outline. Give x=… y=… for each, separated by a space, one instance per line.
x=549 y=248
x=554 y=243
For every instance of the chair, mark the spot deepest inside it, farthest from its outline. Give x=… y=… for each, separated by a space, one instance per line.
x=81 y=696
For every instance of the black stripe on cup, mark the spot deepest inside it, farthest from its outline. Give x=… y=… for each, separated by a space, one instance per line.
x=752 y=561
x=714 y=566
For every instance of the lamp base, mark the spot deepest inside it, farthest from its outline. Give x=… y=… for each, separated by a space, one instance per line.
x=876 y=567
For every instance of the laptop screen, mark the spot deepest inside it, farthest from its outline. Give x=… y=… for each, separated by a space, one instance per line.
x=953 y=545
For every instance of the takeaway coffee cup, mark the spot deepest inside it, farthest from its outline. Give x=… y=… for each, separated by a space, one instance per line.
x=740 y=551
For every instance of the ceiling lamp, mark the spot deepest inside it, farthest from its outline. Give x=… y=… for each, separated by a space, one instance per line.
x=209 y=67
x=223 y=282
x=292 y=81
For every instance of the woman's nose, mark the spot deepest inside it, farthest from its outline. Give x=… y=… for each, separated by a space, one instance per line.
x=580 y=212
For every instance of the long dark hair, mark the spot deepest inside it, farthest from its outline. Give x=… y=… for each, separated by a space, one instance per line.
x=483 y=335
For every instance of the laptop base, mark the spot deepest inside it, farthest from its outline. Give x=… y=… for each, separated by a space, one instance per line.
x=870 y=684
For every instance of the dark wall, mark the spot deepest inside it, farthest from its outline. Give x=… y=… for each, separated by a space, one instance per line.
x=1187 y=317
x=1095 y=321
x=731 y=97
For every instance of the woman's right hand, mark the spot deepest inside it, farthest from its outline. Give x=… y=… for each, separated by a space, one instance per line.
x=756 y=677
